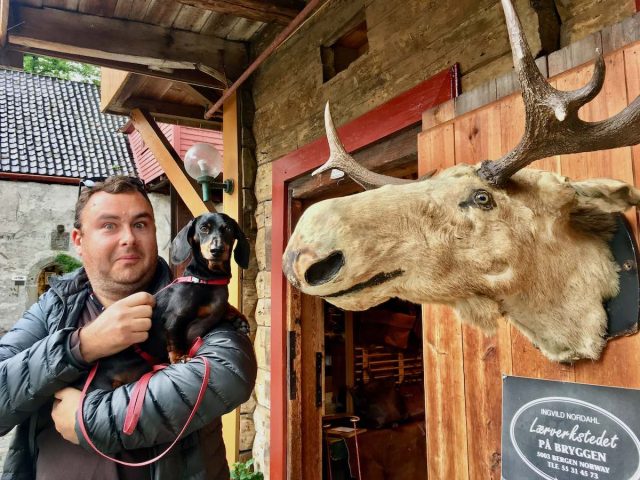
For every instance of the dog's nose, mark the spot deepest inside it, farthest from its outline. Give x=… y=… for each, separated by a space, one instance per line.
x=217 y=251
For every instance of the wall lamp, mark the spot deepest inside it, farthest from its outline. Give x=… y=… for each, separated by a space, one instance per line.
x=203 y=163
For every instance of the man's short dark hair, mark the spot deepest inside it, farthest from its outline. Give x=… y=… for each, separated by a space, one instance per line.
x=114 y=185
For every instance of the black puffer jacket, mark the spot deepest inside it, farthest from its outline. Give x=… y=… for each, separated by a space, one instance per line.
x=35 y=362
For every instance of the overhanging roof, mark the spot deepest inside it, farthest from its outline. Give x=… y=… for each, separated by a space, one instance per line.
x=179 y=54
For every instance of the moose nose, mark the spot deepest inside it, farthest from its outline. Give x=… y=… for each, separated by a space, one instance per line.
x=324 y=270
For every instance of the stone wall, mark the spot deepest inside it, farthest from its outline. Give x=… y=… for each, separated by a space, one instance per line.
x=29 y=220
x=409 y=42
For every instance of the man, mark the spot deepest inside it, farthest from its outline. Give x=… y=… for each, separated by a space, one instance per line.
x=95 y=312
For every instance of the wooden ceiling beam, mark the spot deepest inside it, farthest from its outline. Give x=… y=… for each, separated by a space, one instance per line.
x=267 y=11
x=172 y=112
x=4 y=21
x=109 y=39
x=193 y=77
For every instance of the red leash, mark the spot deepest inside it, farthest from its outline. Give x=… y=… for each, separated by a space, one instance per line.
x=135 y=406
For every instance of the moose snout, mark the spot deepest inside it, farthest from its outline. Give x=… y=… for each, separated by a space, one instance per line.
x=302 y=267
x=324 y=270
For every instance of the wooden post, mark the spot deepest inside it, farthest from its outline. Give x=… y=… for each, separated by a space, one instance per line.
x=4 y=21
x=231 y=206
x=169 y=160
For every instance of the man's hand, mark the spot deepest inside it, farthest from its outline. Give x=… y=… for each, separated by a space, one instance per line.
x=121 y=325
x=64 y=411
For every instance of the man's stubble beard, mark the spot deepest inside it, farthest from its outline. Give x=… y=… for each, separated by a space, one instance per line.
x=121 y=287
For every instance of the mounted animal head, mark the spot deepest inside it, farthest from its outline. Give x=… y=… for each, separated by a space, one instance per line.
x=489 y=240
x=208 y=239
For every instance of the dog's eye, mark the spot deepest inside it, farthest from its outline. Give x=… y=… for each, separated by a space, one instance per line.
x=204 y=228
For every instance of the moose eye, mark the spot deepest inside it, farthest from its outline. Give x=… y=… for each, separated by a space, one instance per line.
x=483 y=199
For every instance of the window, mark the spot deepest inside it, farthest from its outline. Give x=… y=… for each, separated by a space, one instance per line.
x=344 y=50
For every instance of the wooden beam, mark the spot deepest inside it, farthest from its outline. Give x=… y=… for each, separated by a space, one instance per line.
x=167 y=109
x=173 y=113
x=205 y=96
x=231 y=206
x=169 y=160
x=267 y=11
x=11 y=59
x=123 y=41
x=112 y=85
x=192 y=77
x=4 y=21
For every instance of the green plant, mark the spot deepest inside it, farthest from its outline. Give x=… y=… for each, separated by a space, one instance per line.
x=64 y=69
x=244 y=471
x=67 y=263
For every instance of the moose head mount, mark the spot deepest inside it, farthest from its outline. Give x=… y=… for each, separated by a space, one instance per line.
x=490 y=240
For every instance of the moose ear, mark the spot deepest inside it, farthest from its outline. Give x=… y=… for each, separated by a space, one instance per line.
x=181 y=245
x=242 y=250
x=606 y=194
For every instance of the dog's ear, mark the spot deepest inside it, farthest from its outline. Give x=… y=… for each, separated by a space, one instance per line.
x=181 y=245
x=242 y=250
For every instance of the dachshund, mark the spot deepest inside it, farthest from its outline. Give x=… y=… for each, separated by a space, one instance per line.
x=189 y=310
x=186 y=310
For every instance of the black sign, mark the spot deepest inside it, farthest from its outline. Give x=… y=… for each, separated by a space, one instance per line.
x=569 y=431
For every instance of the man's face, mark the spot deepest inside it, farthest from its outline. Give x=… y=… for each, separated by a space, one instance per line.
x=117 y=242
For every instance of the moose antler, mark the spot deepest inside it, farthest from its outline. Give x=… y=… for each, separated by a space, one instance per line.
x=340 y=160
x=552 y=124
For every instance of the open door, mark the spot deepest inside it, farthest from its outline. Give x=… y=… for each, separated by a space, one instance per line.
x=347 y=372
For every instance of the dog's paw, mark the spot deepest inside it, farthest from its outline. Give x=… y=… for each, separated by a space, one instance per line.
x=241 y=325
x=176 y=357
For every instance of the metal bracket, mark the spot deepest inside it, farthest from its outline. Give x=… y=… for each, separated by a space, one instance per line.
x=624 y=309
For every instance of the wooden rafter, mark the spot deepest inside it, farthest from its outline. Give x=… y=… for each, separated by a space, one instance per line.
x=193 y=77
x=173 y=112
x=267 y=11
x=110 y=39
x=4 y=21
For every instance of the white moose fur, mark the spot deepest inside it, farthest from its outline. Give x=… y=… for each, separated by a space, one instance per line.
x=539 y=257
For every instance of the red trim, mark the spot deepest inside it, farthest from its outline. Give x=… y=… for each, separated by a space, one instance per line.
x=398 y=113
x=637 y=5
x=28 y=177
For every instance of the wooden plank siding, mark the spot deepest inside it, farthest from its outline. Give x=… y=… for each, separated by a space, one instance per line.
x=463 y=369
x=180 y=137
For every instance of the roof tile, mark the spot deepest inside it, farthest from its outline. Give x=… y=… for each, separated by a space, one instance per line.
x=50 y=126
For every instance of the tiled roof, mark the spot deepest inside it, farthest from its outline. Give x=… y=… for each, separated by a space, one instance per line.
x=54 y=127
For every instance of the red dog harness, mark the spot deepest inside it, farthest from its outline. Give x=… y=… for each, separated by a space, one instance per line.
x=137 y=395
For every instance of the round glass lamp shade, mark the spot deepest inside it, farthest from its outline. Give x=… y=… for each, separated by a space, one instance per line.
x=202 y=159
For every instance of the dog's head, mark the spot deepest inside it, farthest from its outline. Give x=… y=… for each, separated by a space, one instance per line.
x=209 y=238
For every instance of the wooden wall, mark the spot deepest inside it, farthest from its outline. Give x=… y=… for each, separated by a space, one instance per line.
x=409 y=41
x=463 y=368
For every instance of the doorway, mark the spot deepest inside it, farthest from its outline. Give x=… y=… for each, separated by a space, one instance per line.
x=356 y=380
